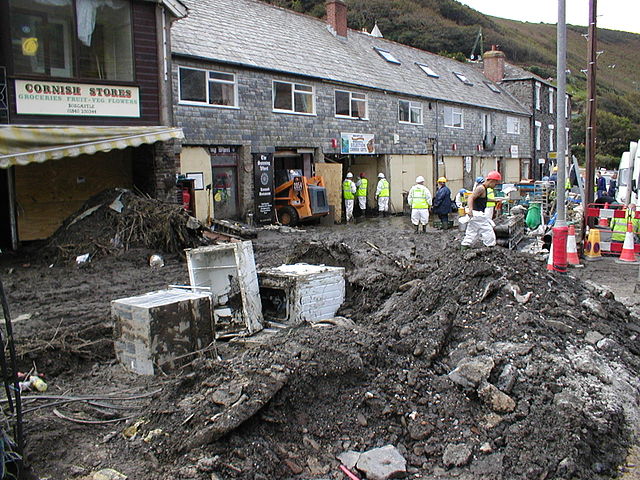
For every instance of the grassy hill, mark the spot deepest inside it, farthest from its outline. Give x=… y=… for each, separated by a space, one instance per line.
x=448 y=27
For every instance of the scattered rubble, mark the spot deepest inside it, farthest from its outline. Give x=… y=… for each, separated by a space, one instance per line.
x=437 y=358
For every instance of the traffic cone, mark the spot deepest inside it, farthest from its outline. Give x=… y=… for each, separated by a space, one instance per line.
x=550 y=259
x=604 y=222
x=572 y=247
x=628 y=254
x=592 y=246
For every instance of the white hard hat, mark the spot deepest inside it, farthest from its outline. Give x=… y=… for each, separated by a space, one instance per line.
x=419 y=179
x=349 y=175
x=381 y=175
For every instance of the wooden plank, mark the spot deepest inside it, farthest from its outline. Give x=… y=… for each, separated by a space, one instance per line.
x=332 y=175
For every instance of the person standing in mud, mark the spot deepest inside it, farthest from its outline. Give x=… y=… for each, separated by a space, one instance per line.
x=480 y=224
x=348 y=194
x=442 y=203
x=382 y=195
x=361 y=193
x=420 y=200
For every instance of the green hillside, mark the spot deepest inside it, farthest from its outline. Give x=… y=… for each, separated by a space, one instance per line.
x=448 y=27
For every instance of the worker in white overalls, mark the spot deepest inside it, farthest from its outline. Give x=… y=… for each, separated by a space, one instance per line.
x=361 y=193
x=382 y=194
x=480 y=224
x=348 y=193
x=420 y=200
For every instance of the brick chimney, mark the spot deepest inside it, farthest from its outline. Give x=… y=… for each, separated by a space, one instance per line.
x=337 y=17
x=494 y=64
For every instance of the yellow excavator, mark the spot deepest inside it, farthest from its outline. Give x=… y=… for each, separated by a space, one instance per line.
x=300 y=199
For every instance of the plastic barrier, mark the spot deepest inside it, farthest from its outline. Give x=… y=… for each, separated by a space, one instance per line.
x=597 y=212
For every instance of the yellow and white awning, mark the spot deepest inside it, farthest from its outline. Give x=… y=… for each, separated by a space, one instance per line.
x=24 y=144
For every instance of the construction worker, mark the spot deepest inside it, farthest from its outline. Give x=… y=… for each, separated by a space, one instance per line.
x=442 y=203
x=361 y=192
x=348 y=193
x=420 y=200
x=619 y=225
x=554 y=174
x=480 y=224
x=382 y=195
x=478 y=181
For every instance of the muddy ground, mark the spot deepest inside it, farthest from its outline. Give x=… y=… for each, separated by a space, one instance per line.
x=546 y=386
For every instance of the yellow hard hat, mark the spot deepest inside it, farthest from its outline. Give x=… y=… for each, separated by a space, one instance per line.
x=442 y=180
x=555 y=169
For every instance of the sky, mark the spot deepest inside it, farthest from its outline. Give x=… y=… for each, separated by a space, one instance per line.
x=612 y=14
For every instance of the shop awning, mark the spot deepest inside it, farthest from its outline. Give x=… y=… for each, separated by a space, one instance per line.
x=24 y=144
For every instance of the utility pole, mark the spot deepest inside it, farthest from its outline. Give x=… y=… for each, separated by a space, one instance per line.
x=560 y=229
x=590 y=143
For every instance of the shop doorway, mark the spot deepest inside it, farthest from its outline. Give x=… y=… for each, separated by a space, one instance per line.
x=224 y=187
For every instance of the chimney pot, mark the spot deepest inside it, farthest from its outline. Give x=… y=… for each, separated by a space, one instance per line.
x=337 y=17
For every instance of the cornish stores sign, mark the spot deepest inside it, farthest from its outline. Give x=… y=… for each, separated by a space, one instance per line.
x=77 y=99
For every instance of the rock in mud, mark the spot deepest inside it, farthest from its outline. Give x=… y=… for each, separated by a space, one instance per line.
x=496 y=400
x=456 y=455
x=349 y=459
x=471 y=372
x=382 y=463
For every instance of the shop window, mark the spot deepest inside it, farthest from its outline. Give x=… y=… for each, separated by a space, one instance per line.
x=224 y=188
x=409 y=112
x=206 y=87
x=85 y=39
x=293 y=98
x=350 y=104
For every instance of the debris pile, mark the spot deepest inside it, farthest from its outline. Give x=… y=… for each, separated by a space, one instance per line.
x=488 y=368
x=116 y=220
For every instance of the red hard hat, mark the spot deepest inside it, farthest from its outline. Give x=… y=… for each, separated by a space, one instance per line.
x=494 y=175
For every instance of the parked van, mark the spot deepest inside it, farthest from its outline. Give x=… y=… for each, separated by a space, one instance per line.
x=629 y=175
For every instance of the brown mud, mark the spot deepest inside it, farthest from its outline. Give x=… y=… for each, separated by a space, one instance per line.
x=416 y=307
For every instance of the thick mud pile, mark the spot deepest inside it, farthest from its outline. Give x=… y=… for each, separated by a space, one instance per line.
x=474 y=365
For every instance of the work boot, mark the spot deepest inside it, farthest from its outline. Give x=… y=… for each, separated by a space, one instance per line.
x=437 y=225
x=464 y=247
x=418 y=228
x=424 y=229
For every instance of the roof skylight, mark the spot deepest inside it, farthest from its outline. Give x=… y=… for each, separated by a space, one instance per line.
x=388 y=56
x=427 y=70
x=492 y=87
x=462 y=78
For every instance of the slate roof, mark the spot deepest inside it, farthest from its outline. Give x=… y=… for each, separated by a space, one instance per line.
x=259 y=35
x=513 y=72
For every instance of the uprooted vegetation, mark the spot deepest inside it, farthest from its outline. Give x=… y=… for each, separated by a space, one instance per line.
x=479 y=365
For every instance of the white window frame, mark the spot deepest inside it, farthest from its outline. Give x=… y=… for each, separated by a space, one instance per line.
x=209 y=80
x=487 y=124
x=538 y=93
x=513 y=125
x=551 y=99
x=413 y=106
x=365 y=99
x=428 y=70
x=567 y=107
x=566 y=145
x=538 y=131
x=452 y=112
x=552 y=138
x=312 y=93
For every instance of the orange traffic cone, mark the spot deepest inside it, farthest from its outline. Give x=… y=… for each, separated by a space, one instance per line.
x=550 y=259
x=628 y=254
x=572 y=247
x=592 y=246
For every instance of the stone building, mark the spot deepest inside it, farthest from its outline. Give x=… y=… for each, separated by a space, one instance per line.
x=84 y=106
x=251 y=80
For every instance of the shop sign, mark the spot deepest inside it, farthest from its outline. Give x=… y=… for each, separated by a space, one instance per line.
x=357 y=143
x=264 y=187
x=77 y=99
x=514 y=151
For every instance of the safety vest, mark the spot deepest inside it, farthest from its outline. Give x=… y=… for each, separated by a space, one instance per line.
x=619 y=226
x=384 y=190
x=491 y=198
x=347 y=193
x=362 y=189
x=419 y=197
